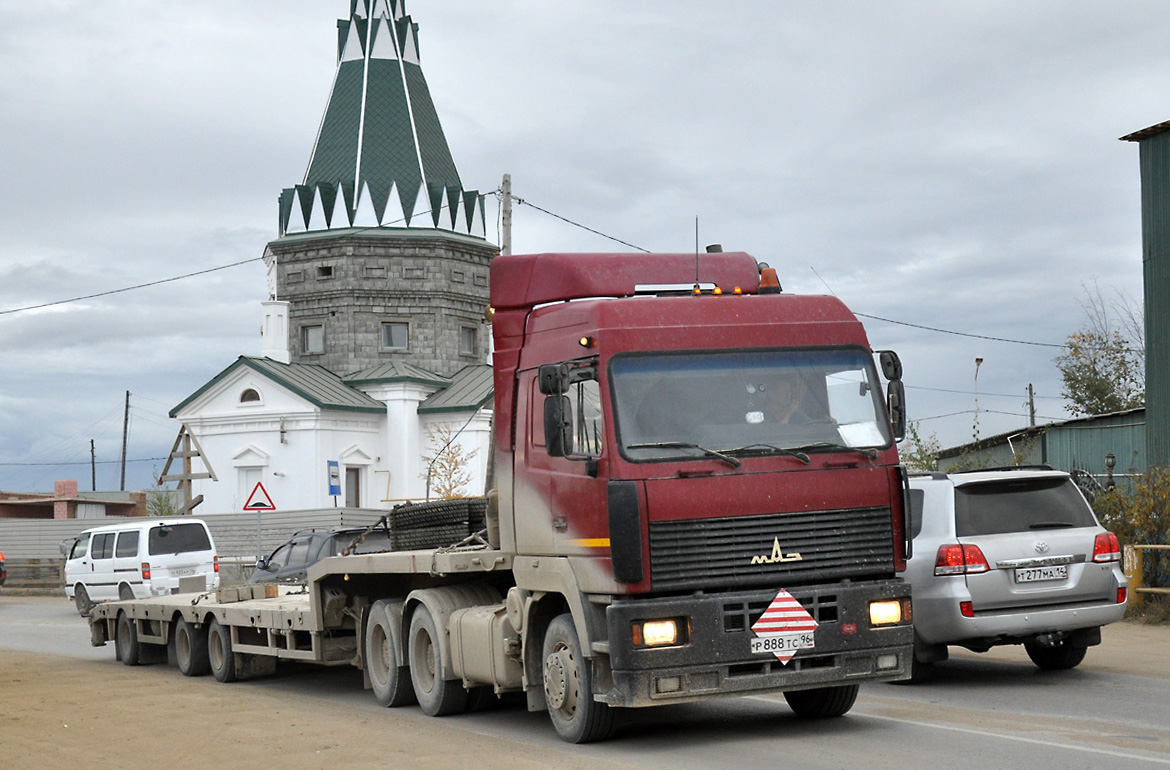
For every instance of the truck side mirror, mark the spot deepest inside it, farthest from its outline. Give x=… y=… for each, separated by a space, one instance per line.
x=891 y=365
x=896 y=402
x=558 y=425
x=554 y=379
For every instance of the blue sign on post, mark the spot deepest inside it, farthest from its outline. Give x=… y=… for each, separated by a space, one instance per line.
x=334 y=478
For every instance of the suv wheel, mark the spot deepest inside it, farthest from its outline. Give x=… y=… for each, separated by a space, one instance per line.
x=1058 y=657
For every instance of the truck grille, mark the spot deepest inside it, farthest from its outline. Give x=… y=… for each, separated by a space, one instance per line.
x=717 y=553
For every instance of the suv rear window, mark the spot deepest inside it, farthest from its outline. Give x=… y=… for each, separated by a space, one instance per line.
x=178 y=538
x=1019 y=505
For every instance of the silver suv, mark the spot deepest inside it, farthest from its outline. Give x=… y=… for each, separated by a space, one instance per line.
x=1009 y=556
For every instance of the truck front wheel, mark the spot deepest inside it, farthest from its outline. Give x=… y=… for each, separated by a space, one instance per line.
x=437 y=697
x=568 y=687
x=822 y=702
x=389 y=681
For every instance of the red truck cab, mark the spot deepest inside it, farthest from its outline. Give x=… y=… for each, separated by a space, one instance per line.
x=682 y=449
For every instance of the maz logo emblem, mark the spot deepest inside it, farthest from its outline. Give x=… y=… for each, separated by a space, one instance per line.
x=777 y=556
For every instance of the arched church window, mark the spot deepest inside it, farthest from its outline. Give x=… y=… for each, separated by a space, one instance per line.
x=249 y=395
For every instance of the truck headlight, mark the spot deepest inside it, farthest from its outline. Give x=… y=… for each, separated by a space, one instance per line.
x=885 y=613
x=659 y=633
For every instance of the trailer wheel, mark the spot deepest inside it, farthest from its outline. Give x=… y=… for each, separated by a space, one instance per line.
x=436 y=696
x=219 y=652
x=81 y=600
x=191 y=649
x=390 y=681
x=568 y=687
x=823 y=701
x=126 y=640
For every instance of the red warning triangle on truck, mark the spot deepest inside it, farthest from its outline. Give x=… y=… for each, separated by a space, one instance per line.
x=784 y=628
x=259 y=499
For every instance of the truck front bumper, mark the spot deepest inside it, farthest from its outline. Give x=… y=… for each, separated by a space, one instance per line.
x=716 y=658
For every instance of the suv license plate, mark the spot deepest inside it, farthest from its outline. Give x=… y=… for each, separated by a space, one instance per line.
x=1036 y=574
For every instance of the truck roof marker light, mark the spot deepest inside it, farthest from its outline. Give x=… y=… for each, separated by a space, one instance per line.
x=697 y=290
x=717 y=290
x=769 y=283
x=737 y=290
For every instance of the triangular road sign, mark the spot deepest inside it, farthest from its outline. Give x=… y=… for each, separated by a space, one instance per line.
x=259 y=499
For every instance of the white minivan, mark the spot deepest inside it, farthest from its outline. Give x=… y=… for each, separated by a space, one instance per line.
x=138 y=559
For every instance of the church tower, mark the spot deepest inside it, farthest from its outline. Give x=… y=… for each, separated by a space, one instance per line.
x=381 y=256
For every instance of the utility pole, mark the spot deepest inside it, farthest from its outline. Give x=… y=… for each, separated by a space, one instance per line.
x=92 y=467
x=1031 y=407
x=125 y=431
x=506 y=215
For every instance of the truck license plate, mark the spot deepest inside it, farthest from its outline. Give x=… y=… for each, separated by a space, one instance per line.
x=1036 y=574
x=773 y=643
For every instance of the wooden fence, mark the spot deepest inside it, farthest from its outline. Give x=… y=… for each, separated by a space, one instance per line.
x=1134 y=567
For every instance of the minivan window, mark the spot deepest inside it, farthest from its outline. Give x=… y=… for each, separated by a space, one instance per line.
x=178 y=538
x=103 y=546
x=1020 y=505
x=80 y=547
x=127 y=544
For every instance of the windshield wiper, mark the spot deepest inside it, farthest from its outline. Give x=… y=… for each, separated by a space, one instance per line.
x=734 y=463
x=799 y=455
x=869 y=452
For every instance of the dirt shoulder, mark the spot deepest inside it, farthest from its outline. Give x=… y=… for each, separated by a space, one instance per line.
x=60 y=714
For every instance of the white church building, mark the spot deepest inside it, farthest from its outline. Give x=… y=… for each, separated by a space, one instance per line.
x=375 y=346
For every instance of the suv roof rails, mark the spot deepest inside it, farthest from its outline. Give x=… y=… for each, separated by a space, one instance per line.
x=1036 y=467
x=936 y=475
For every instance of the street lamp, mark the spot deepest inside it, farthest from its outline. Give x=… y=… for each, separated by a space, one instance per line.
x=1110 y=463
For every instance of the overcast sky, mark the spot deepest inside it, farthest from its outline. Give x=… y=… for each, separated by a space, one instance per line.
x=951 y=165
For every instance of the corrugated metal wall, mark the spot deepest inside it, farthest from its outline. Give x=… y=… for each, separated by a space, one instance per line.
x=235 y=534
x=1155 y=172
x=1084 y=444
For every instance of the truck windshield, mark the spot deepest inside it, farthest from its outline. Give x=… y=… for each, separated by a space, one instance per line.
x=747 y=403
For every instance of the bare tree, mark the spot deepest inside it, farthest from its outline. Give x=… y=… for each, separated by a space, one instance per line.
x=1103 y=364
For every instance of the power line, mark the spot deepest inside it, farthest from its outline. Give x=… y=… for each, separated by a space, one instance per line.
x=127 y=288
x=79 y=462
x=578 y=224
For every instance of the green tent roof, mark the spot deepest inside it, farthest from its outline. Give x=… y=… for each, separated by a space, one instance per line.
x=380 y=151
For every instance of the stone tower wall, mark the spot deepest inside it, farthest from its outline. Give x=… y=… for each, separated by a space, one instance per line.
x=351 y=283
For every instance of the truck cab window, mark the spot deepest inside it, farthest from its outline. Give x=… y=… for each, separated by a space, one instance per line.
x=585 y=396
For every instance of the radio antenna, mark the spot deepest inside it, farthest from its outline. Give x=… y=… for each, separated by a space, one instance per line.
x=696 y=249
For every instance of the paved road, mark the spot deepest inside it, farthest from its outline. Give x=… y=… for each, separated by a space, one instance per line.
x=989 y=711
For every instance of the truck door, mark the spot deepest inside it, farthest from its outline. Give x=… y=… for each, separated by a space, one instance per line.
x=566 y=507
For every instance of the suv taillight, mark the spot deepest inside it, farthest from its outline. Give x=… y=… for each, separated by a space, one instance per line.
x=1106 y=548
x=146 y=570
x=955 y=559
x=216 y=563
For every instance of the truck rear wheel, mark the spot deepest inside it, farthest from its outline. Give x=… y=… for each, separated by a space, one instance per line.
x=822 y=702
x=390 y=681
x=191 y=649
x=219 y=652
x=568 y=687
x=436 y=696
x=126 y=640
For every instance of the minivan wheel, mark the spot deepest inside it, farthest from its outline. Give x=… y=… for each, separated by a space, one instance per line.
x=125 y=593
x=1059 y=657
x=81 y=601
